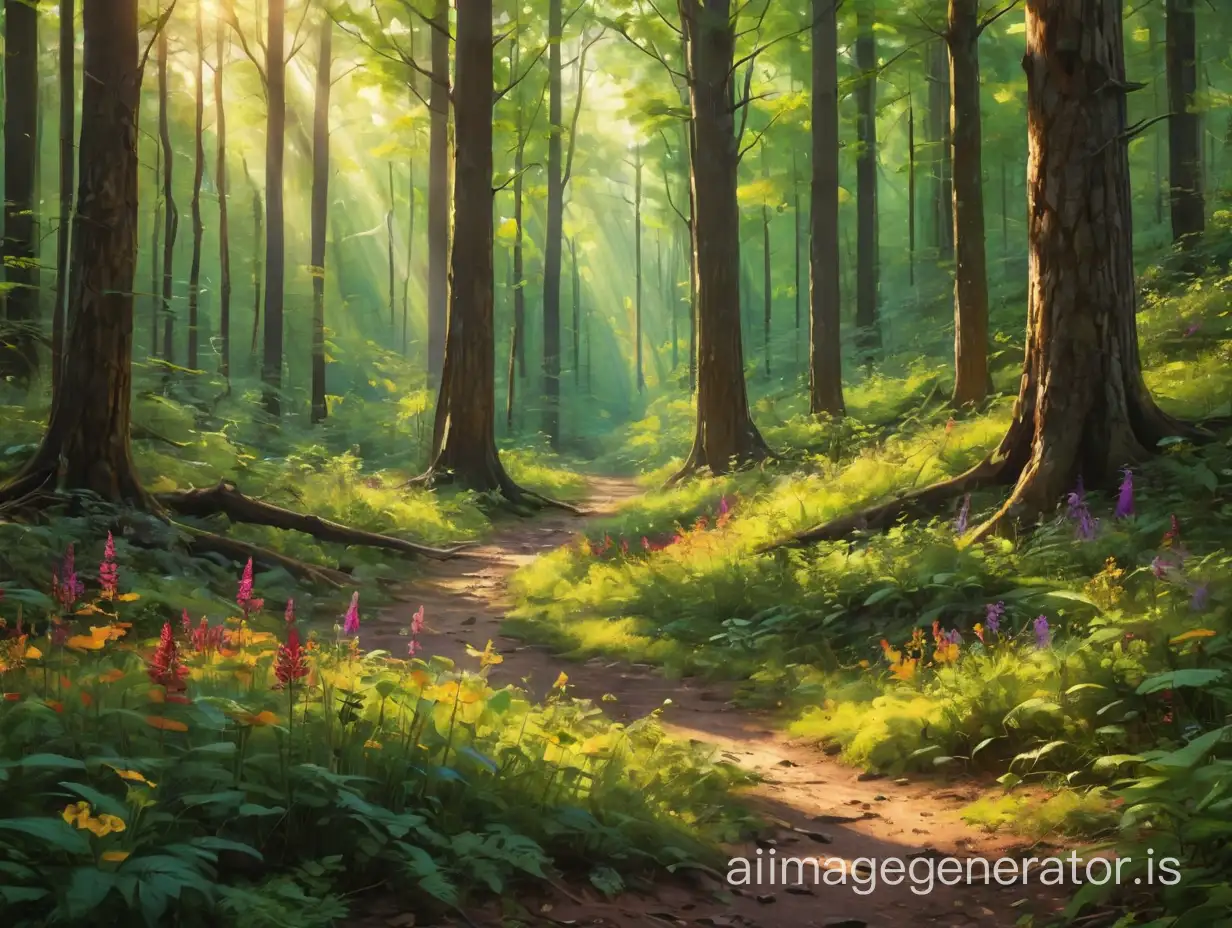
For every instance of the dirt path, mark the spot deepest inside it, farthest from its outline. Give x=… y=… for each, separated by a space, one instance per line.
x=820 y=807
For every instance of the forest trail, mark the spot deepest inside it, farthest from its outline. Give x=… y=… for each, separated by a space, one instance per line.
x=820 y=807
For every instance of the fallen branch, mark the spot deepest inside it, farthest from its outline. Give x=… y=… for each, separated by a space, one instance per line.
x=203 y=542
x=225 y=499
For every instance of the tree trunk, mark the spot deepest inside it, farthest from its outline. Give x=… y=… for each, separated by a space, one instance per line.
x=258 y=213
x=767 y=294
x=156 y=270
x=867 y=332
x=275 y=249
x=320 y=217
x=1184 y=125
x=19 y=347
x=517 y=337
x=198 y=228
x=463 y=436
x=939 y=139
x=637 y=266
x=726 y=435
x=797 y=243
x=554 y=233
x=577 y=312
x=68 y=144
x=224 y=228
x=825 y=283
x=172 y=224
x=393 y=269
x=410 y=256
x=673 y=305
x=910 y=192
x=1160 y=185
x=86 y=446
x=438 y=192
x=970 y=273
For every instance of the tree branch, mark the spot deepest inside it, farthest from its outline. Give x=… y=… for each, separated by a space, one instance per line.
x=993 y=17
x=159 y=25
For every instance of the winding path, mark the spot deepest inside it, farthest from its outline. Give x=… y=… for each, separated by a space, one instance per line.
x=818 y=807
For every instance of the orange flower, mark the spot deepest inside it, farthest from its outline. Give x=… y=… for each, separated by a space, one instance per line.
x=58 y=706
x=111 y=676
x=86 y=699
x=163 y=723
x=259 y=720
x=12 y=697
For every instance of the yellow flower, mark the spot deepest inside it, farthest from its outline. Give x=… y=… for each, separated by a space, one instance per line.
x=561 y=681
x=115 y=857
x=259 y=720
x=864 y=665
x=375 y=745
x=105 y=825
x=134 y=777
x=946 y=653
x=1192 y=634
x=33 y=653
x=487 y=657
x=164 y=723
x=75 y=813
x=904 y=670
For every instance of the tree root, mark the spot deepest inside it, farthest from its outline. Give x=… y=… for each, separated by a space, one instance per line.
x=203 y=542
x=225 y=499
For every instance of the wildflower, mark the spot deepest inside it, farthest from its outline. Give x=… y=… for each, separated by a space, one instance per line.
x=243 y=597
x=115 y=857
x=964 y=513
x=1043 y=634
x=978 y=628
x=992 y=617
x=417 y=624
x=904 y=670
x=1125 y=499
x=1080 y=513
x=624 y=546
x=288 y=614
x=108 y=571
x=166 y=668
x=185 y=623
x=561 y=681
x=1192 y=328
x=350 y=624
x=205 y=639
x=645 y=543
x=1200 y=595
x=724 y=508
x=949 y=425
x=66 y=586
x=1172 y=537
x=487 y=657
x=1159 y=566
x=291 y=664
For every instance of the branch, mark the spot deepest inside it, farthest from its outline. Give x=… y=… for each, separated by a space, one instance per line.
x=228 y=14
x=744 y=106
x=993 y=17
x=1133 y=131
x=513 y=177
x=159 y=25
x=758 y=137
x=651 y=52
x=577 y=106
x=296 y=44
x=670 y=25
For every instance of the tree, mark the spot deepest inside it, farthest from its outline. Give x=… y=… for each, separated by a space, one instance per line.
x=320 y=216
x=637 y=269
x=173 y=215
x=867 y=332
x=1083 y=409
x=18 y=342
x=939 y=139
x=971 y=378
x=198 y=227
x=224 y=230
x=68 y=142
x=275 y=247
x=725 y=435
x=438 y=192
x=1184 y=123
x=554 y=233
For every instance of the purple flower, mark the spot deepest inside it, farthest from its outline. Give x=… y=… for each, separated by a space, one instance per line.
x=66 y=585
x=1043 y=634
x=1080 y=513
x=1125 y=500
x=992 y=617
x=1159 y=567
x=723 y=507
x=350 y=625
x=952 y=637
x=964 y=513
x=1192 y=328
x=1200 y=595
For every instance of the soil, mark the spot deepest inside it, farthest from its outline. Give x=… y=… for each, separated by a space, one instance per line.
x=815 y=805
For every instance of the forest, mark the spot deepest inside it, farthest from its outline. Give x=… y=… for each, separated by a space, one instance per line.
x=487 y=463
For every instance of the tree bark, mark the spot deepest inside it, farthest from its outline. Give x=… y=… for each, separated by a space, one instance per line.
x=258 y=214
x=68 y=142
x=577 y=311
x=86 y=446
x=463 y=436
x=910 y=192
x=767 y=294
x=825 y=282
x=554 y=233
x=939 y=138
x=970 y=274
x=156 y=268
x=1184 y=124
x=726 y=435
x=275 y=249
x=320 y=216
x=19 y=347
x=637 y=267
x=198 y=228
x=868 y=333
x=438 y=193
x=172 y=224
x=393 y=267
x=224 y=228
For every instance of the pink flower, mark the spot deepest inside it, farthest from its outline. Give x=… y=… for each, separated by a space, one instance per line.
x=66 y=587
x=350 y=625
x=166 y=668
x=292 y=664
x=417 y=621
x=243 y=597
x=185 y=623
x=289 y=614
x=108 y=571
x=206 y=639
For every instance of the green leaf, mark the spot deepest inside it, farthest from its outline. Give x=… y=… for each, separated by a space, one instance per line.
x=882 y=595
x=1194 y=752
x=17 y=894
x=87 y=888
x=607 y=881
x=46 y=762
x=54 y=831
x=1175 y=679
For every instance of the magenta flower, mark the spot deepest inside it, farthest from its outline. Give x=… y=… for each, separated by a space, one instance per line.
x=108 y=571
x=185 y=623
x=724 y=508
x=350 y=624
x=289 y=614
x=417 y=621
x=1125 y=500
x=66 y=586
x=244 y=599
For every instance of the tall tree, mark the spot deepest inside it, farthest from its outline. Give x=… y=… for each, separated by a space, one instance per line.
x=1184 y=123
x=18 y=342
x=767 y=293
x=86 y=446
x=391 y=260
x=971 y=378
x=275 y=247
x=867 y=330
x=198 y=227
x=438 y=192
x=172 y=224
x=156 y=268
x=554 y=233
x=939 y=142
x=464 y=438
x=68 y=142
x=320 y=216
x=224 y=230
x=725 y=433
x=637 y=267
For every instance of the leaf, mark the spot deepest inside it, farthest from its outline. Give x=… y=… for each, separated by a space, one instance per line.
x=46 y=762
x=17 y=894
x=881 y=595
x=607 y=881
x=54 y=831
x=1174 y=679
x=1195 y=751
x=1040 y=753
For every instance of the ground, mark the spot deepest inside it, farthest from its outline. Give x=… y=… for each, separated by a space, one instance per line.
x=815 y=805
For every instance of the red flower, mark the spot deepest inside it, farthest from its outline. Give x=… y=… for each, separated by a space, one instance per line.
x=108 y=571
x=291 y=664
x=166 y=668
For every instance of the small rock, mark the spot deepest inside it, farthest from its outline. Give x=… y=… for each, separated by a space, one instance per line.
x=880 y=798
x=766 y=898
x=902 y=781
x=787 y=763
x=835 y=818
x=800 y=890
x=845 y=923
x=832 y=748
x=469 y=621
x=766 y=843
x=819 y=836
x=867 y=775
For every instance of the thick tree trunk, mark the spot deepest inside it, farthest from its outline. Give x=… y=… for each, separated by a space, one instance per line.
x=726 y=435
x=1161 y=185
x=19 y=348
x=637 y=268
x=1184 y=124
x=275 y=250
x=171 y=228
x=68 y=145
x=970 y=274
x=554 y=233
x=86 y=446
x=198 y=228
x=464 y=436
x=868 y=333
x=517 y=336
x=438 y=193
x=767 y=293
x=224 y=228
x=824 y=284
x=320 y=217
x=156 y=268
x=939 y=141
